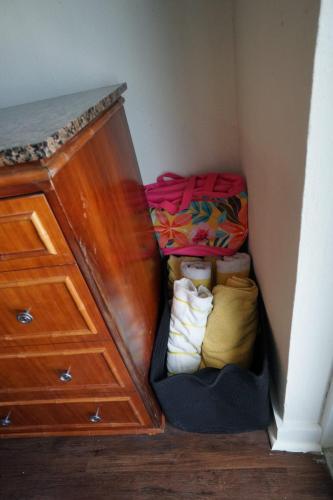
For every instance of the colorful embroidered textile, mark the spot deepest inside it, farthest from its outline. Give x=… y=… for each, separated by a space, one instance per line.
x=199 y=215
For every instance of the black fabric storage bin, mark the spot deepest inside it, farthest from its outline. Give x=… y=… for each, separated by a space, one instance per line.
x=229 y=400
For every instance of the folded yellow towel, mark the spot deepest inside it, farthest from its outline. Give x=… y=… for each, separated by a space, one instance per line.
x=174 y=272
x=237 y=265
x=232 y=324
x=199 y=272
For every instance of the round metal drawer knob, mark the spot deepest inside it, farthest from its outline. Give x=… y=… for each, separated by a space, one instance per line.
x=66 y=376
x=24 y=317
x=96 y=418
x=5 y=421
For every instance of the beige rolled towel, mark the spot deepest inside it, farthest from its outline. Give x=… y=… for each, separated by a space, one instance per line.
x=232 y=325
x=212 y=259
x=174 y=272
x=237 y=265
x=199 y=272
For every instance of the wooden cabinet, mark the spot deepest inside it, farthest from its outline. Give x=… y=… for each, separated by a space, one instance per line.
x=79 y=289
x=30 y=235
x=68 y=416
x=69 y=369
x=59 y=306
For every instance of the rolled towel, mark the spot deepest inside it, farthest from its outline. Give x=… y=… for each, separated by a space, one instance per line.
x=199 y=272
x=237 y=265
x=189 y=312
x=174 y=272
x=212 y=259
x=232 y=325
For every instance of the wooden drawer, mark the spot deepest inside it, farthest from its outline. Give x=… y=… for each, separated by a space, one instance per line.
x=37 y=372
x=30 y=235
x=70 y=415
x=59 y=302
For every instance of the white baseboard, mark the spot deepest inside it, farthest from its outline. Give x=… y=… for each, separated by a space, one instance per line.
x=328 y=452
x=295 y=435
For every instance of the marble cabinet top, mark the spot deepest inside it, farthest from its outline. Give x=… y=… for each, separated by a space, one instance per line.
x=36 y=130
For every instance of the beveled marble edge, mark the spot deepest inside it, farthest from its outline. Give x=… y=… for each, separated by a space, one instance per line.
x=46 y=148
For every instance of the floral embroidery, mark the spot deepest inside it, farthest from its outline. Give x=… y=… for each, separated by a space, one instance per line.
x=201 y=234
x=221 y=223
x=171 y=230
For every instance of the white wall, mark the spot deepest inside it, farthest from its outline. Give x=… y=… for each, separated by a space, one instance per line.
x=327 y=424
x=176 y=56
x=275 y=42
x=311 y=346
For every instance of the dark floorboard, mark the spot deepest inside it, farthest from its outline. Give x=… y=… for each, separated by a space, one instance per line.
x=174 y=465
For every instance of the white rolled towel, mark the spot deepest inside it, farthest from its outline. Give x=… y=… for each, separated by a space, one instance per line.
x=237 y=265
x=199 y=272
x=189 y=312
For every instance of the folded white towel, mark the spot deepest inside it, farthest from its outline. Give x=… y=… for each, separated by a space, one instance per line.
x=199 y=272
x=189 y=312
x=237 y=265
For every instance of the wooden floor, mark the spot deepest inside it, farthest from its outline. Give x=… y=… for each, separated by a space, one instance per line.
x=174 y=465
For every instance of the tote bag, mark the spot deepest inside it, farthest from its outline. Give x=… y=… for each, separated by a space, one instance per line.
x=199 y=215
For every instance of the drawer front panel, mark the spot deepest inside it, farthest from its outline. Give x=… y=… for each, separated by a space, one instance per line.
x=47 y=305
x=30 y=235
x=35 y=372
x=86 y=414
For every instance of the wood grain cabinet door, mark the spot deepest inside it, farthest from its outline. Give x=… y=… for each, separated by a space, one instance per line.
x=30 y=235
x=94 y=414
x=40 y=372
x=47 y=306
